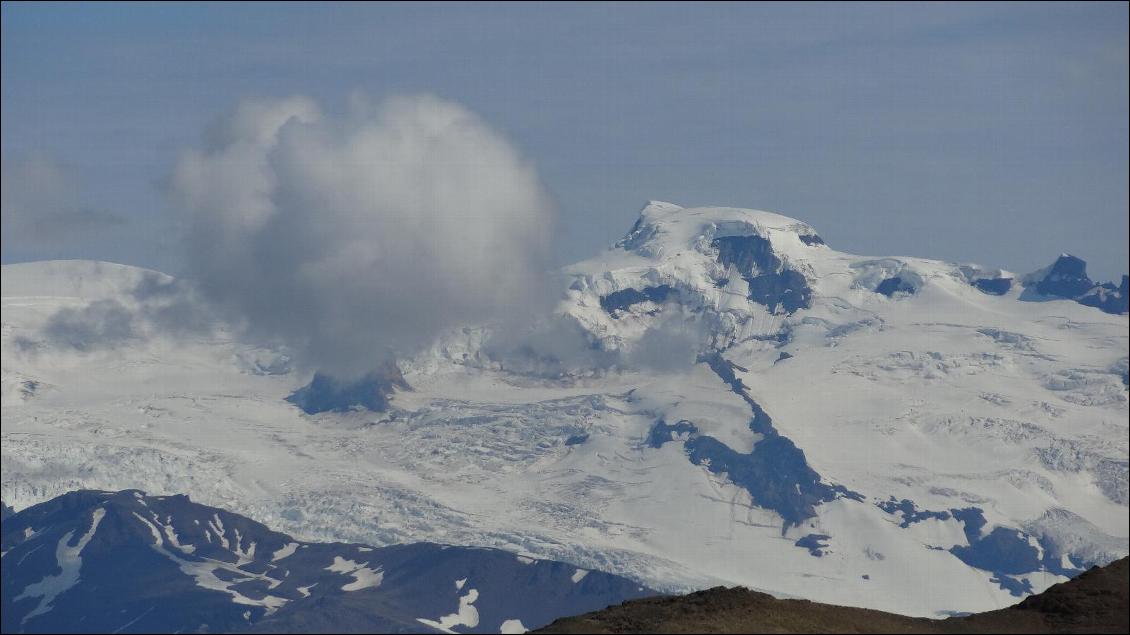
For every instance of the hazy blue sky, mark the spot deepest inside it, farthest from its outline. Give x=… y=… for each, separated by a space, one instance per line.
x=987 y=133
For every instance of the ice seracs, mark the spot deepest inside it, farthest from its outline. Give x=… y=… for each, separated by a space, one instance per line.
x=719 y=398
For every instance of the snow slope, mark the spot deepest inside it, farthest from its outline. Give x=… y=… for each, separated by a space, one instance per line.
x=895 y=433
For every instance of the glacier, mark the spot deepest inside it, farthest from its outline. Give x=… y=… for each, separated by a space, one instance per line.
x=896 y=433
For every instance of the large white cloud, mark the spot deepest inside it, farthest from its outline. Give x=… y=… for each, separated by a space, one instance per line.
x=355 y=238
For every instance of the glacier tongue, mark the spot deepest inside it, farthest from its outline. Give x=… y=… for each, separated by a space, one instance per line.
x=892 y=414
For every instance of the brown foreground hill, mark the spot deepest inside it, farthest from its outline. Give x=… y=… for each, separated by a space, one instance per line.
x=1097 y=601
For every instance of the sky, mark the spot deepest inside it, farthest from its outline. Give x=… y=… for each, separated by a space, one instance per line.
x=987 y=133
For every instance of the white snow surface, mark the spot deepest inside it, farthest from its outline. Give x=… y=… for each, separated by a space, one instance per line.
x=946 y=396
x=203 y=571
x=285 y=552
x=364 y=576
x=466 y=615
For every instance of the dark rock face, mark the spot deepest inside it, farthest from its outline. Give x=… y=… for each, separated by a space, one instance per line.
x=662 y=432
x=1018 y=588
x=815 y=543
x=1002 y=551
x=1006 y=553
x=891 y=286
x=637 y=235
x=787 y=290
x=1107 y=298
x=775 y=473
x=126 y=562
x=1068 y=278
x=993 y=286
x=371 y=392
x=751 y=255
x=624 y=299
x=909 y=512
x=771 y=283
x=812 y=240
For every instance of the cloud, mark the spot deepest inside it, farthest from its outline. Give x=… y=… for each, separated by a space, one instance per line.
x=100 y=324
x=40 y=204
x=156 y=305
x=174 y=307
x=558 y=345
x=359 y=238
x=552 y=347
x=673 y=344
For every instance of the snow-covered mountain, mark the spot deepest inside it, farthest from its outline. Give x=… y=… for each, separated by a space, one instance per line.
x=720 y=398
x=125 y=562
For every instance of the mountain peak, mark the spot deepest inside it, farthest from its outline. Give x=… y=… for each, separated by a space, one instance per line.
x=664 y=228
x=1067 y=278
x=654 y=206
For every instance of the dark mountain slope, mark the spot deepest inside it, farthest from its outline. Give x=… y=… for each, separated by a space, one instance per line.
x=125 y=562
x=1097 y=601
